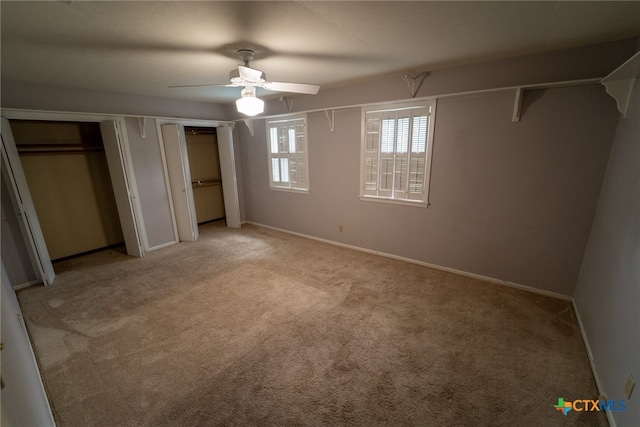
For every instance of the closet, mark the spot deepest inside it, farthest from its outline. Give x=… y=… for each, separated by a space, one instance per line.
x=206 y=178
x=68 y=177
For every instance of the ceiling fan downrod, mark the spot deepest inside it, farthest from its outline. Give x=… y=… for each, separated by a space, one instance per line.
x=246 y=55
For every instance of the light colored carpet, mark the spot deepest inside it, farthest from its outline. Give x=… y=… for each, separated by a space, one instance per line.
x=257 y=327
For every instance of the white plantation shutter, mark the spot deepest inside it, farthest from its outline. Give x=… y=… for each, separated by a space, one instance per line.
x=288 y=154
x=371 y=153
x=395 y=152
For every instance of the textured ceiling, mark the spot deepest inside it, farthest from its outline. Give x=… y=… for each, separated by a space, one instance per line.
x=144 y=47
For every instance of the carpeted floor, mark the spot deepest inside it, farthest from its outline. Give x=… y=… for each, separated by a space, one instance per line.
x=257 y=327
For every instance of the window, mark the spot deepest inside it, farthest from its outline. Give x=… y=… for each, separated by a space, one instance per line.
x=288 y=161
x=396 y=152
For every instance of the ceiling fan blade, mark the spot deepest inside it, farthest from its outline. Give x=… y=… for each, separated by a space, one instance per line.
x=292 y=87
x=209 y=85
x=250 y=75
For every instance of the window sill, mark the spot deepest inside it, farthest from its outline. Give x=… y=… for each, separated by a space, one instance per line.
x=289 y=190
x=415 y=204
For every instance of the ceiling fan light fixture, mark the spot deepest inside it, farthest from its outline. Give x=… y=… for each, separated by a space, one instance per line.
x=248 y=104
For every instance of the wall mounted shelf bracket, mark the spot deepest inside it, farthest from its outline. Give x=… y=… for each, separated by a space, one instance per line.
x=288 y=102
x=331 y=118
x=249 y=124
x=414 y=83
x=621 y=83
x=517 y=105
x=142 y=124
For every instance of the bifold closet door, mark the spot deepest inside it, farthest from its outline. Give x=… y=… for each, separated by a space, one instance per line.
x=24 y=400
x=229 y=179
x=123 y=194
x=175 y=149
x=23 y=204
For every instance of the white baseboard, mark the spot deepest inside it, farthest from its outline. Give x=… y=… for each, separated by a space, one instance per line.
x=163 y=245
x=422 y=263
x=26 y=284
x=592 y=363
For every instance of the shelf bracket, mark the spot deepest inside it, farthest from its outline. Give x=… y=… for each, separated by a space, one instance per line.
x=332 y=119
x=517 y=105
x=288 y=102
x=142 y=124
x=249 y=124
x=621 y=91
x=622 y=81
x=411 y=82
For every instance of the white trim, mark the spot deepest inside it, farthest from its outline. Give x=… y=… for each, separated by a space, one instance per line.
x=592 y=362
x=290 y=190
x=26 y=285
x=163 y=245
x=415 y=204
x=17 y=113
x=548 y=85
x=424 y=264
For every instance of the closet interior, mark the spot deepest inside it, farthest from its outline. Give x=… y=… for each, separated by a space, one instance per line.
x=68 y=178
x=206 y=178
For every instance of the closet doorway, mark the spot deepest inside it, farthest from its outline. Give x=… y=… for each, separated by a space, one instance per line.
x=66 y=170
x=182 y=178
x=104 y=137
x=206 y=176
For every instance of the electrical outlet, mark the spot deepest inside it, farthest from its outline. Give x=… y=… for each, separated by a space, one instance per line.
x=340 y=228
x=628 y=387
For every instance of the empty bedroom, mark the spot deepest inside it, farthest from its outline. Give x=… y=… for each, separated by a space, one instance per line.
x=367 y=213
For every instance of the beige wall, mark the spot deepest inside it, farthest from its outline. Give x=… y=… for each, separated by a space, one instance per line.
x=608 y=291
x=512 y=201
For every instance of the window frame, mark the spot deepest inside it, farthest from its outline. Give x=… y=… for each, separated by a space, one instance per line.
x=394 y=107
x=275 y=185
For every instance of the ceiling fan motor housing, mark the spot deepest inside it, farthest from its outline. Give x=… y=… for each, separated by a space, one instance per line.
x=234 y=76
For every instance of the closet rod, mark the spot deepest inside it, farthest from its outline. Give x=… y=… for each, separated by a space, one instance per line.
x=199 y=131
x=57 y=148
x=206 y=182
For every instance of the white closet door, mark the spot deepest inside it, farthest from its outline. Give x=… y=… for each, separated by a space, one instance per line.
x=121 y=189
x=228 y=170
x=21 y=198
x=175 y=148
x=24 y=400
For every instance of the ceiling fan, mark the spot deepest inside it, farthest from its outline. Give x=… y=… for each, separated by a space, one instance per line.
x=251 y=78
